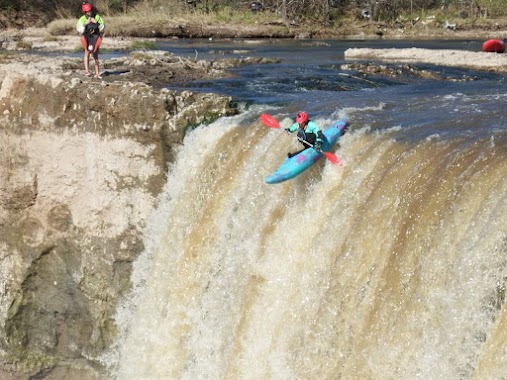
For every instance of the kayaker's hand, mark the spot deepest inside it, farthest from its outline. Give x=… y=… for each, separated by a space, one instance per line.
x=318 y=146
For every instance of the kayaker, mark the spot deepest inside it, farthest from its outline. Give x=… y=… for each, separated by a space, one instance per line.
x=307 y=131
x=90 y=26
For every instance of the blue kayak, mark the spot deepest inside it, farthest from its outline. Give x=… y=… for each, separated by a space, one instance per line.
x=299 y=163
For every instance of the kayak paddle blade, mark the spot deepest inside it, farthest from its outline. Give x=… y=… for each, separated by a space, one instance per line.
x=269 y=121
x=333 y=158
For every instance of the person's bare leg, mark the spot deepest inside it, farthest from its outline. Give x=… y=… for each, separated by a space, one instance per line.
x=86 y=62
x=96 y=63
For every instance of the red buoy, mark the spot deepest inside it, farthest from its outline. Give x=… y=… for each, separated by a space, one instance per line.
x=493 y=46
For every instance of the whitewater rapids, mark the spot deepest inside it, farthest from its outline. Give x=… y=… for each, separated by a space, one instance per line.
x=390 y=267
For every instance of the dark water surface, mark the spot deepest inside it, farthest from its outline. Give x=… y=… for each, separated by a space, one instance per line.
x=310 y=77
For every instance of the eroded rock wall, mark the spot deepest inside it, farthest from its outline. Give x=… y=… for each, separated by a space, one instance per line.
x=81 y=165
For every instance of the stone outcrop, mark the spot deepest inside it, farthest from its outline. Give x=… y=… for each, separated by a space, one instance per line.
x=81 y=164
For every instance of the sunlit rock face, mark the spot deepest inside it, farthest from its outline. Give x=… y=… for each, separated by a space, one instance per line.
x=81 y=166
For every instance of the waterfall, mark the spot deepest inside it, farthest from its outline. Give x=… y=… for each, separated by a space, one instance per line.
x=390 y=267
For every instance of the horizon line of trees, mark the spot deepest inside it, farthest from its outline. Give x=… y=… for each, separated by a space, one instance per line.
x=299 y=10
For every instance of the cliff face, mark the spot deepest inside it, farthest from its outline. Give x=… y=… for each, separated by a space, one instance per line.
x=81 y=165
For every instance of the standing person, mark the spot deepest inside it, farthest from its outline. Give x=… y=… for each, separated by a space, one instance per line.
x=309 y=133
x=90 y=26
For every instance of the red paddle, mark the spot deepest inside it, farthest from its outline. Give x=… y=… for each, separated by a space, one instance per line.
x=271 y=122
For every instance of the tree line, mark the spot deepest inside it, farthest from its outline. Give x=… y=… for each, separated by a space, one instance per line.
x=298 y=10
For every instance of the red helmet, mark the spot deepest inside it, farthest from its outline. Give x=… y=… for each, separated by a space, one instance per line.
x=86 y=7
x=301 y=117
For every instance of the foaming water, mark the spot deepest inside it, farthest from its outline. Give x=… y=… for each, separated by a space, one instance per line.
x=391 y=267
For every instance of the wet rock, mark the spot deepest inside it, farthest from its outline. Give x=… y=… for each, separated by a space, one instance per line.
x=399 y=71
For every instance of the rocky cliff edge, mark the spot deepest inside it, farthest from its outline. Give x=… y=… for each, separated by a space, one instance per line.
x=82 y=162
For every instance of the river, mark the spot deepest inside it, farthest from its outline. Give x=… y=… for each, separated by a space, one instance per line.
x=390 y=267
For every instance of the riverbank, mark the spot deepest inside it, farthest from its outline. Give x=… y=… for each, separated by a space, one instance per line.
x=121 y=31
x=162 y=67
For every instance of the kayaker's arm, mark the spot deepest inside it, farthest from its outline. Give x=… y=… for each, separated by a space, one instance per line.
x=293 y=128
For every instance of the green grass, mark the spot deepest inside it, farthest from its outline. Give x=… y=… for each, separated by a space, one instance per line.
x=145 y=19
x=162 y=17
x=493 y=7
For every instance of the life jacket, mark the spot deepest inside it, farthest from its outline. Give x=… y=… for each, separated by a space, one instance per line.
x=92 y=29
x=91 y=35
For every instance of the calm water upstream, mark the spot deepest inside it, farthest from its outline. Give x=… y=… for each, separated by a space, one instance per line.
x=309 y=77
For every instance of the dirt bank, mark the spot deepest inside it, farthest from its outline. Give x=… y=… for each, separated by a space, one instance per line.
x=155 y=67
